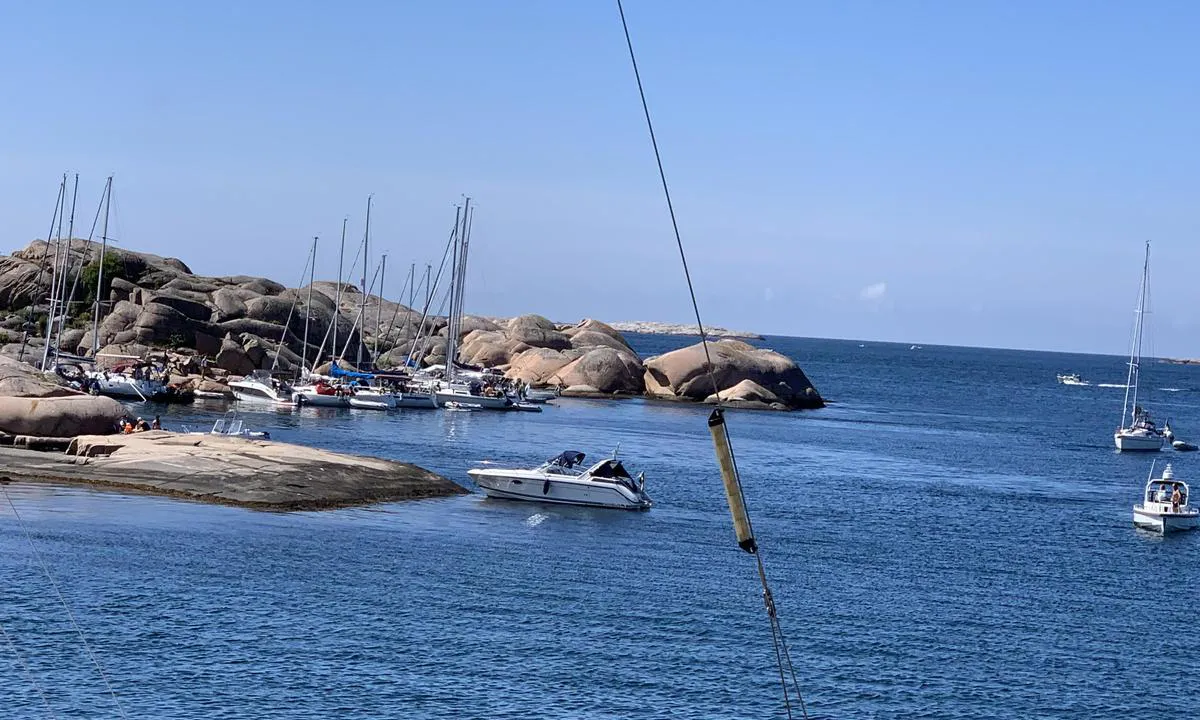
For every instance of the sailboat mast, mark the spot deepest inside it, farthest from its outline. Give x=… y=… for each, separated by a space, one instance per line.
x=1135 y=351
x=363 y=305
x=100 y=273
x=65 y=304
x=312 y=255
x=55 y=280
x=379 y=307
x=451 y=332
x=337 y=293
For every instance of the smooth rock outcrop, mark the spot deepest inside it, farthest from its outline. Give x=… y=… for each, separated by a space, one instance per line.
x=683 y=374
x=601 y=370
x=22 y=380
x=60 y=416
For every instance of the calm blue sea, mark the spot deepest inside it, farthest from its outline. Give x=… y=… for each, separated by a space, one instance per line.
x=951 y=538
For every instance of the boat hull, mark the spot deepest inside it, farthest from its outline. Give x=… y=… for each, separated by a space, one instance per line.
x=1137 y=442
x=1165 y=522
x=423 y=401
x=315 y=399
x=373 y=401
x=486 y=403
x=549 y=490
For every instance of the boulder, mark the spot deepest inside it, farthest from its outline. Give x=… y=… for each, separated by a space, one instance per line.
x=262 y=286
x=536 y=366
x=471 y=323
x=609 y=371
x=535 y=336
x=19 y=379
x=71 y=339
x=192 y=284
x=748 y=394
x=121 y=319
x=212 y=386
x=206 y=344
x=683 y=373
x=22 y=282
x=191 y=307
x=233 y=358
x=274 y=310
x=120 y=289
x=592 y=338
x=159 y=324
x=229 y=303
x=531 y=321
x=254 y=327
x=60 y=416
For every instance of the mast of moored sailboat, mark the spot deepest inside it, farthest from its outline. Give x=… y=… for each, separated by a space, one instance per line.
x=1135 y=352
x=312 y=272
x=100 y=273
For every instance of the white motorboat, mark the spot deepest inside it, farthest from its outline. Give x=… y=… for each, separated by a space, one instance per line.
x=462 y=394
x=539 y=395
x=1071 y=379
x=231 y=426
x=417 y=400
x=1137 y=432
x=1164 y=507
x=563 y=480
x=371 y=399
x=259 y=386
x=321 y=394
x=124 y=385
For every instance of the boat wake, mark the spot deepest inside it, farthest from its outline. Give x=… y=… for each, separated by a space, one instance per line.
x=1113 y=385
x=1171 y=389
x=536 y=519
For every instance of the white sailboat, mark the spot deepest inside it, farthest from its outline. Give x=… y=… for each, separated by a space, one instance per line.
x=1137 y=432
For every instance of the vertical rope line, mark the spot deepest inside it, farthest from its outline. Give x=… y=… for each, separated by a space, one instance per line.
x=662 y=175
x=70 y=615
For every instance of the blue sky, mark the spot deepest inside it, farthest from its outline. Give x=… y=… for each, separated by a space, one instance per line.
x=979 y=173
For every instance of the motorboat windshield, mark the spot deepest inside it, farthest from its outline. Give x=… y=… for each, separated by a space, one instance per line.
x=565 y=463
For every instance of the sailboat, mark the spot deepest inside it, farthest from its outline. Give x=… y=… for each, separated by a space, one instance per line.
x=1137 y=432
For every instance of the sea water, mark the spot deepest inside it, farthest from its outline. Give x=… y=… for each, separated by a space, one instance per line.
x=950 y=538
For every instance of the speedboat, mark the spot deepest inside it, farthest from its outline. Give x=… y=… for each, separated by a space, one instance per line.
x=259 y=386
x=1165 y=508
x=231 y=426
x=1071 y=379
x=321 y=394
x=562 y=479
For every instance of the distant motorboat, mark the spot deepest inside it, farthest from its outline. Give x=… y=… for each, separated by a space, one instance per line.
x=1182 y=446
x=1164 y=507
x=562 y=480
x=1072 y=379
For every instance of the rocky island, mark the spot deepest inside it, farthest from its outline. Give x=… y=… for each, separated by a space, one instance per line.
x=228 y=326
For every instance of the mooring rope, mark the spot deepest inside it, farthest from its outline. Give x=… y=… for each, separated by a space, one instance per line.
x=87 y=647
x=782 y=656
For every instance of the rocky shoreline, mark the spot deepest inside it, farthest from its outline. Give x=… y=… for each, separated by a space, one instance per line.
x=254 y=474
x=222 y=328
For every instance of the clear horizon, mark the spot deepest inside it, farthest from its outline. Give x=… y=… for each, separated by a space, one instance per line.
x=980 y=176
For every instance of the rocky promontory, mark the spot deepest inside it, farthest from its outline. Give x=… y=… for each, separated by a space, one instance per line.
x=228 y=326
x=660 y=328
x=228 y=470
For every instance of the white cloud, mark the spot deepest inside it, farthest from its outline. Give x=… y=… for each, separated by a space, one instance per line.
x=873 y=292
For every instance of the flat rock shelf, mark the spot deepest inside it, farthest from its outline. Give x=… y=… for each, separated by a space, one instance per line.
x=250 y=473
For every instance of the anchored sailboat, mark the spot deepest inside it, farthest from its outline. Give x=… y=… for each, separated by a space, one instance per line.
x=1137 y=431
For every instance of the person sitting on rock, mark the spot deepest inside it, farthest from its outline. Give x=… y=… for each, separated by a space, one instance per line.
x=141 y=425
x=156 y=424
x=128 y=427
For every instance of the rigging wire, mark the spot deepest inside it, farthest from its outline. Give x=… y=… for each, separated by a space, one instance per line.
x=27 y=672
x=87 y=647
x=716 y=421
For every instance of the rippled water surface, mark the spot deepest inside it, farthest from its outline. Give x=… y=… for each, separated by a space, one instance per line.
x=951 y=539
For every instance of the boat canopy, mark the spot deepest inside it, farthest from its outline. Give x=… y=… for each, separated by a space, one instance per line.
x=568 y=458
x=336 y=371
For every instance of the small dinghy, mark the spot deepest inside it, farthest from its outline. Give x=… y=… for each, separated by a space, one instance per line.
x=1178 y=445
x=1164 y=507
x=455 y=406
x=525 y=407
x=231 y=426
